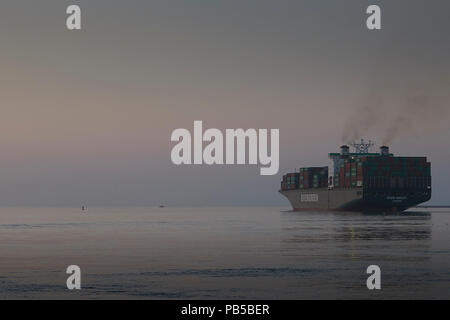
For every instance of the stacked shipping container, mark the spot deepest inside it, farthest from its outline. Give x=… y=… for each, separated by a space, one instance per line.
x=290 y=181
x=306 y=178
x=397 y=173
x=374 y=172
x=349 y=174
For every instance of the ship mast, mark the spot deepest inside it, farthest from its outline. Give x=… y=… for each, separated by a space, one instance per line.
x=362 y=147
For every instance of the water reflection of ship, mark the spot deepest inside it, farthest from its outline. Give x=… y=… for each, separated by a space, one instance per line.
x=411 y=226
x=337 y=228
x=335 y=249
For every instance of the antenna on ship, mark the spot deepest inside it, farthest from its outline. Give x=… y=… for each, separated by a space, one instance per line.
x=362 y=147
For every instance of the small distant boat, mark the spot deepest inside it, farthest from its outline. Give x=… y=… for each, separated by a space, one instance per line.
x=162 y=206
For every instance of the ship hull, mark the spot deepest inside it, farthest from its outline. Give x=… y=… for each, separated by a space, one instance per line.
x=353 y=199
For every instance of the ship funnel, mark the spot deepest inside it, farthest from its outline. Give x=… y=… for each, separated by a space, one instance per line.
x=384 y=150
x=345 y=150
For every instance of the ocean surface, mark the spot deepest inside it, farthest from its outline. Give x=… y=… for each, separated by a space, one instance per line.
x=222 y=253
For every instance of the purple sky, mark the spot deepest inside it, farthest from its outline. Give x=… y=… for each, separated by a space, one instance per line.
x=87 y=115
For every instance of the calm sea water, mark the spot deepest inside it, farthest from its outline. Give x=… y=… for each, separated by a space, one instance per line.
x=222 y=253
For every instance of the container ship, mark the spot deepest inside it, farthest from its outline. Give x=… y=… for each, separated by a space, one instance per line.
x=360 y=181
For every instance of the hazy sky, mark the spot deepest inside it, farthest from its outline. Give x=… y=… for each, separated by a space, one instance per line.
x=87 y=115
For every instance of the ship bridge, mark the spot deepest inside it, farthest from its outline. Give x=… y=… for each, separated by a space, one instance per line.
x=336 y=160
